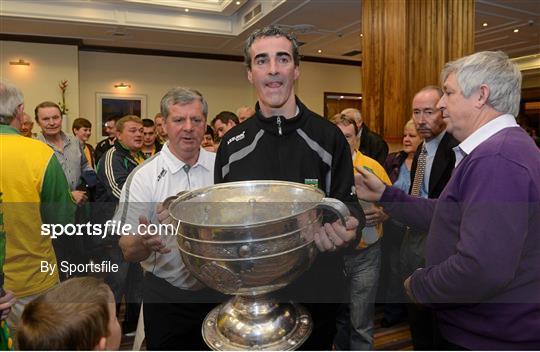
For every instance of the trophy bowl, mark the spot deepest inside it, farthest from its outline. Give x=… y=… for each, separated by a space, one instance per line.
x=249 y=239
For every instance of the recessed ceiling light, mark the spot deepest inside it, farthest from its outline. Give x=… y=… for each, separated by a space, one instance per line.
x=187 y=10
x=361 y=35
x=238 y=3
x=516 y=30
x=341 y=97
x=319 y=51
x=485 y=24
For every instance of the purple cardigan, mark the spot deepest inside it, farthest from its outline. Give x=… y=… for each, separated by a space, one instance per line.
x=482 y=271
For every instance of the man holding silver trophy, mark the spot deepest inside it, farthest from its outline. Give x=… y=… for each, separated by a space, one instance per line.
x=286 y=141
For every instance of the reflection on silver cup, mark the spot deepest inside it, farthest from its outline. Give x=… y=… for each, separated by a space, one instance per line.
x=249 y=239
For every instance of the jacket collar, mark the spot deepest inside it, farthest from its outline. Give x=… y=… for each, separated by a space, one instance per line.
x=272 y=124
x=126 y=152
x=174 y=164
x=8 y=129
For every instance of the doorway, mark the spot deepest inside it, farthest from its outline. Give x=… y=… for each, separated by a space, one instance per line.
x=334 y=103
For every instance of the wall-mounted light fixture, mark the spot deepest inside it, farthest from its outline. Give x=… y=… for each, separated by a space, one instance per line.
x=122 y=85
x=21 y=62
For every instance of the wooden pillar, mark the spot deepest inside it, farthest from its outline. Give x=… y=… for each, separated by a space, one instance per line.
x=405 y=45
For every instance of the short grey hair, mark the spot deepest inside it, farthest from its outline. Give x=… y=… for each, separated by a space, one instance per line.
x=271 y=31
x=182 y=96
x=10 y=100
x=494 y=69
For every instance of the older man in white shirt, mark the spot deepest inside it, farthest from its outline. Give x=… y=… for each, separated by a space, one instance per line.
x=182 y=165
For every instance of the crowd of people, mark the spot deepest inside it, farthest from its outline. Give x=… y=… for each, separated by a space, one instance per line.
x=445 y=232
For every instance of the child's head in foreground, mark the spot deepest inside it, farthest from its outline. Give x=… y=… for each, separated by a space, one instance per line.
x=78 y=314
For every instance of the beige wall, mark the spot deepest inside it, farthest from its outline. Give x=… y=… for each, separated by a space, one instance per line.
x=49 y=64
x=316 y=78
x=223 y=83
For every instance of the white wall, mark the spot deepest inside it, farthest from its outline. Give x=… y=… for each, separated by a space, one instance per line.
x=49 y=64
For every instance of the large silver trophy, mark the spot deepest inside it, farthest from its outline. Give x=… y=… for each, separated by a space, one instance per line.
x=248 y=239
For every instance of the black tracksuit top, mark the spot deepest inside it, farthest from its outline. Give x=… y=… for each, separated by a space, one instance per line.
x=304 y=149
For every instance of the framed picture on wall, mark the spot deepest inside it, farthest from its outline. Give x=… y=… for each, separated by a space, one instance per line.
x=118 y=105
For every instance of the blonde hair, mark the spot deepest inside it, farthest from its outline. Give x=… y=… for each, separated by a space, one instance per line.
x=72 y=316
x=342 y=119
x=120 y=123
x=410 y=123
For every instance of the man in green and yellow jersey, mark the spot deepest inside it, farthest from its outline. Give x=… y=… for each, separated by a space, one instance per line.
x=34 y=192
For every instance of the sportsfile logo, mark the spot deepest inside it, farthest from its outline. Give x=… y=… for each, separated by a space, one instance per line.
x=110 y=228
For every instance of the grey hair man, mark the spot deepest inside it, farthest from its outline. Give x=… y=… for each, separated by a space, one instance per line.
x=483 y=246
x=34 y=192
x=371 y=144
x=182 y=165
x=244 y=113
x=284 y=140
x=27 y=125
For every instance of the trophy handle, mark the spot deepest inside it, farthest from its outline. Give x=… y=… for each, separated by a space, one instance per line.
x=335 y=206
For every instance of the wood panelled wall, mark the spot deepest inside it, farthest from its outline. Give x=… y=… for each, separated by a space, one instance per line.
x=405 y=45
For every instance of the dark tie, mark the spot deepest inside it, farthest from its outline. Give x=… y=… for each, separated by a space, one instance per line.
x=420 y=170
x=186 y=169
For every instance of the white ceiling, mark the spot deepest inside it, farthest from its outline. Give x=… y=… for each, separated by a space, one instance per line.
x=220 y=27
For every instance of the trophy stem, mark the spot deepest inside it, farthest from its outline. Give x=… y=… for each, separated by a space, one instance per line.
x=256 y=323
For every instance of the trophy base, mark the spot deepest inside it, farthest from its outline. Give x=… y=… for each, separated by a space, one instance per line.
x=256 y=323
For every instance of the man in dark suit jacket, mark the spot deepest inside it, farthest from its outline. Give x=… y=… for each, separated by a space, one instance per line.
x=371 y=144
x=440 y=162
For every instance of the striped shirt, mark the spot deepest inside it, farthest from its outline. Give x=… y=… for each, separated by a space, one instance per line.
x=71 y=158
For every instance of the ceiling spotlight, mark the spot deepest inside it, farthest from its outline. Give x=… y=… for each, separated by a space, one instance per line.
x=361 y=35
x=122 y=85
x=516 y=30
x=186 y=10
x=319 y=51
x=238 y=3
x=485 y=24
x=21 y=62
